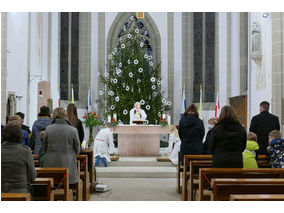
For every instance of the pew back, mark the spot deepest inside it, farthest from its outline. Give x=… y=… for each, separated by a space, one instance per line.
x=257 y=197
x=15 y=197
x=42 y=189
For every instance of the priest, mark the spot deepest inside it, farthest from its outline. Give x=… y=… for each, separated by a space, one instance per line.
x=137 y=114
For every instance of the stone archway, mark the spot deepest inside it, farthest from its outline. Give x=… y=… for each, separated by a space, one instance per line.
x=149 y=23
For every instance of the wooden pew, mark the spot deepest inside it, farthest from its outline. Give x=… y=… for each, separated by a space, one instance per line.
x=77 y=187
x=223 y=187
x=179 y=171
x=186 y=173
x=257 y=197
x=91 y=168
x=60 y=178
x=15 y=197
x=206 y=174
x=36 y=160
x=42 y=189
x=84 y=175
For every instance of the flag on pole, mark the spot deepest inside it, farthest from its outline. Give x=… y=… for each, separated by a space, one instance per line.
x=59 y=102
x=217 y=106
x=89 y=103
x=200 y=103
x=183 y=101
x=72 y=99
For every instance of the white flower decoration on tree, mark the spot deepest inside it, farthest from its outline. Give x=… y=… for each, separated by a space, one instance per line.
x=108 y=92
x=101 y=92
x=150 y=57
x=131 y=18
x=148 y=107
x=113 y=53
x=112 y=107
x=115 y=81
x=110 y=56
x=136 y=30
x=142 y=102
x=159 y=114
x=115 y=50
x=145 y=33
x=128 y=61
x=127 y=88
x=146 y=56
x=128 y=35
x=120 y=64
x=130 y=74
x=151 y=63
x=153 y=87
x=158 y=82
x=164 y=101
x=122 y=46
x=140 y=70
x=138 y=81
x=169 y=103
x=136 y=61
x=117 y=98
x=141 y=44
x=125 y=112
x=118 y=71
x=111 y=93
x=153 y=79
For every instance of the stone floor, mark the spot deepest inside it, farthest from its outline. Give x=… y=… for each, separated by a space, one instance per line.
x=137 y=179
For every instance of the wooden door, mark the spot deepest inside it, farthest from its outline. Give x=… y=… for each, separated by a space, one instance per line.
x=239 y=104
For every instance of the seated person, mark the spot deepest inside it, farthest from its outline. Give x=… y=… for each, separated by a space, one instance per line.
x=136 y=113
x=249 y=154
x=211 y=123
x=174 y=145
x=103 y=145
x=17 y=163
x=275 y=149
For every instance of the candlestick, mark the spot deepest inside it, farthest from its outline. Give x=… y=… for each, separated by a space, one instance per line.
x=169 y=120
x=164 y=116
x=114 y=116
x=108 y=118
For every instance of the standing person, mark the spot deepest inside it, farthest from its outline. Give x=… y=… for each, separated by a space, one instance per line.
x=191 y=132
x=22 y=115
x=275 y=149
x=228 y=140
x=249 y=155
x=137 y=113
x=61 y=144
x=103 y=145
x=39 y=125
x=75 y=121
x=17 y=163
x=25 y=135
x=211 y=123
x=262 y=124
x=174 y=145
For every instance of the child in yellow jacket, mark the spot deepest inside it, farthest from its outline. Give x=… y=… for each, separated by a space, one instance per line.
x=249 y=155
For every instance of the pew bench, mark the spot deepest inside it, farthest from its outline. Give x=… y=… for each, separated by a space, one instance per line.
x=224 y=187
x=206 y=174
x=257 y=197
x=15 y=197
x=43 y=189
x=91 y=168
x=84 y=175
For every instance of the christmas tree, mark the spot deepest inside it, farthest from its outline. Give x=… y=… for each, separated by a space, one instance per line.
x=132 y=77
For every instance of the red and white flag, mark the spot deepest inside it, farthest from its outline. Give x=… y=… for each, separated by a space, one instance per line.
x=217 y=106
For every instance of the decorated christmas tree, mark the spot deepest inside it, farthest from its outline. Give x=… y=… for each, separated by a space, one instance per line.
x=132 y=77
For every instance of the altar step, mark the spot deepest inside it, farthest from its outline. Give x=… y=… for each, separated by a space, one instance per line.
x=137 y=167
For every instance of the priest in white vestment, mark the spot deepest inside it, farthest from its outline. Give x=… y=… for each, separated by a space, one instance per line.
x=136 y=113
x=103 y=145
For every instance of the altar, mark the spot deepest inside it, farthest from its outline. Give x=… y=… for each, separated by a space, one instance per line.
x=139 y=140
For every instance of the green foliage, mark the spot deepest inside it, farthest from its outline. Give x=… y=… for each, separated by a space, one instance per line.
x=132 y=77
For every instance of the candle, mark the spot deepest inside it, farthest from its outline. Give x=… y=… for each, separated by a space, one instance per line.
x=164 y=116
x=114 y=116
x=108 y=118
x=169 y=120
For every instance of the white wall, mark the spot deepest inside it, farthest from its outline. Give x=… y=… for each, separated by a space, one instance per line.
x=17 y=37
x=265 y=94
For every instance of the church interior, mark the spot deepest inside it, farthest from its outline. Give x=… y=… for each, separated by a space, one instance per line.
x=209 y=59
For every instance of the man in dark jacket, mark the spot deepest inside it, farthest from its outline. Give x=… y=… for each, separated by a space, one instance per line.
x=262 y=124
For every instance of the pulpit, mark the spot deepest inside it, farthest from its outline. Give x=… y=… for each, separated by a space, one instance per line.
x=140 y=140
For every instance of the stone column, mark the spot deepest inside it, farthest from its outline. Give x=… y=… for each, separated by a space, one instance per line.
x=3 y=66
x=277 y=101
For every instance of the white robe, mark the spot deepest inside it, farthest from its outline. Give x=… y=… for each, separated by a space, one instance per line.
x=103 y=144
x=173 y=152
x=133 y=117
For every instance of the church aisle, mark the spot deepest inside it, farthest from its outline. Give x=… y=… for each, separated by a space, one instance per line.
x=137 y=179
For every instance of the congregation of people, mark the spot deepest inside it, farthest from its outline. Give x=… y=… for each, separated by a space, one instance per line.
x=57 y=140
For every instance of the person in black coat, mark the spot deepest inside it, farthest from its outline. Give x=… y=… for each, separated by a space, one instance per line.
x=191 y=132
x=75 y=121
x=262 y=124
x=228 y=140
